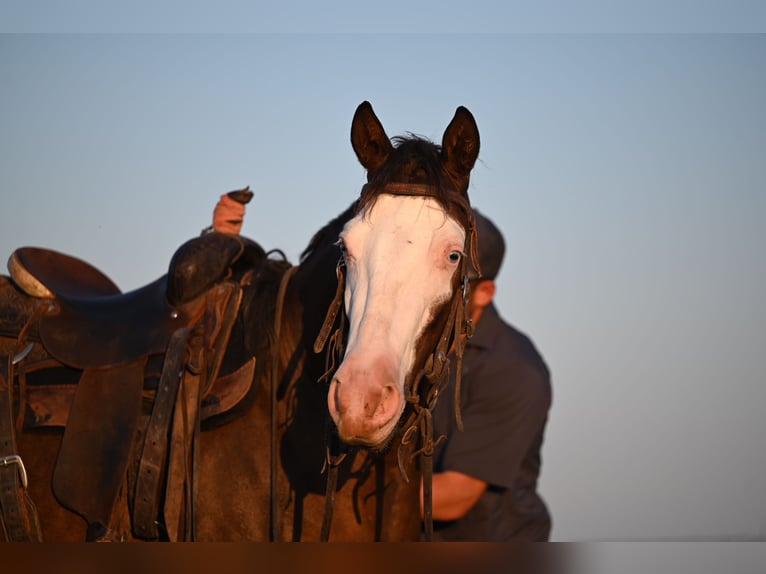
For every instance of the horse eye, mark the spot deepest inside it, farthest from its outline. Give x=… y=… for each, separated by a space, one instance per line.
x=342 y=246
x=454 y=256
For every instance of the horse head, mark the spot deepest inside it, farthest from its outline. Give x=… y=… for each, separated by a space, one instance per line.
x=405 y=252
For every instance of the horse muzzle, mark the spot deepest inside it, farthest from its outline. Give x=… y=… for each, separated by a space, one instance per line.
x=364 y=408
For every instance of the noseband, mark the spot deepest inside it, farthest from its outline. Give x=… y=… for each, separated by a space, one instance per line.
x=435 y=371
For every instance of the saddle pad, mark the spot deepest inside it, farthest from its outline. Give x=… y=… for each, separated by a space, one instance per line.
x=97 y=440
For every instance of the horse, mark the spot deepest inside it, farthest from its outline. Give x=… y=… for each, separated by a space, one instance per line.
x=269 y=401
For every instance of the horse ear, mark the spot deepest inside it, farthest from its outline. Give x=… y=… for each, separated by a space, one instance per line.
x=368 y=138
x=460 y=146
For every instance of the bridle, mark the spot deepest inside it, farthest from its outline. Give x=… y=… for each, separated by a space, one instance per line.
x=435 y=372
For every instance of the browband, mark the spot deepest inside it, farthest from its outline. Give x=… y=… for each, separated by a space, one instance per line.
x=412 y=189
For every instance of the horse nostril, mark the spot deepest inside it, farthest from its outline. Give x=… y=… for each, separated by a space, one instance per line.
x=387 y=402
x=334 y=398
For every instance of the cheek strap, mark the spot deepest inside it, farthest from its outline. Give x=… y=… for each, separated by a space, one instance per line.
x=332 y=311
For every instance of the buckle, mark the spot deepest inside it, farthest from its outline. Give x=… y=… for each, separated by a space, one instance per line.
x=16 y=459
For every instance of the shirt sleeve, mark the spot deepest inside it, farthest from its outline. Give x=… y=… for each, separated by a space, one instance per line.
x=504 y=410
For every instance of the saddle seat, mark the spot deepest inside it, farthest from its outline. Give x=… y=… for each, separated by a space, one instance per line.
x=90 y=324
x=113 y=330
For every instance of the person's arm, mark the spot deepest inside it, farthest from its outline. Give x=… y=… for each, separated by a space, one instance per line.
x=499 y=429
x=454 y=494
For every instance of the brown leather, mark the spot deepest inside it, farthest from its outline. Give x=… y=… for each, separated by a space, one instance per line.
x=17 y=309
x=183 y=458
x=97 y=440
x=90 y=324
x=18 y=516
x=191 y=365
x=204 y=261
x=49 y=405
x=227 y=391
x=110 y=331
x=153 y=457
x=109 y=337
x=48 y=273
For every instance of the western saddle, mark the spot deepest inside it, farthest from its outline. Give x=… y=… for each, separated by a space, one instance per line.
x=129 y=376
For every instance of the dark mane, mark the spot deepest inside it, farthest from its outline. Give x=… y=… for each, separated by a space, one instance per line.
x=417 y=160
x=254 y=329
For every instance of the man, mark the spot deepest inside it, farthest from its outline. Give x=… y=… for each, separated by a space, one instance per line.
x=485 y=477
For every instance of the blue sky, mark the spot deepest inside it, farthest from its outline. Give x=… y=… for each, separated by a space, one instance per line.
x=399 y=16
x=627 y=171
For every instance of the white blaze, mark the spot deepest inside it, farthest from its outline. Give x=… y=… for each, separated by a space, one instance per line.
x=401 y=257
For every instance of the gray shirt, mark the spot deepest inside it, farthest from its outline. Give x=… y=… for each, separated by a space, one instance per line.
x=505 y=398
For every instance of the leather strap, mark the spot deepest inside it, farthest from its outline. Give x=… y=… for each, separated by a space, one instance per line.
x=335 y=454
x=18 y=514
x=150 y=468
x=411 y=189
x=222 y=303
x=332 y=310
x=193 y=375
x=179 y=492
x=329 y=505
x=282 y=293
